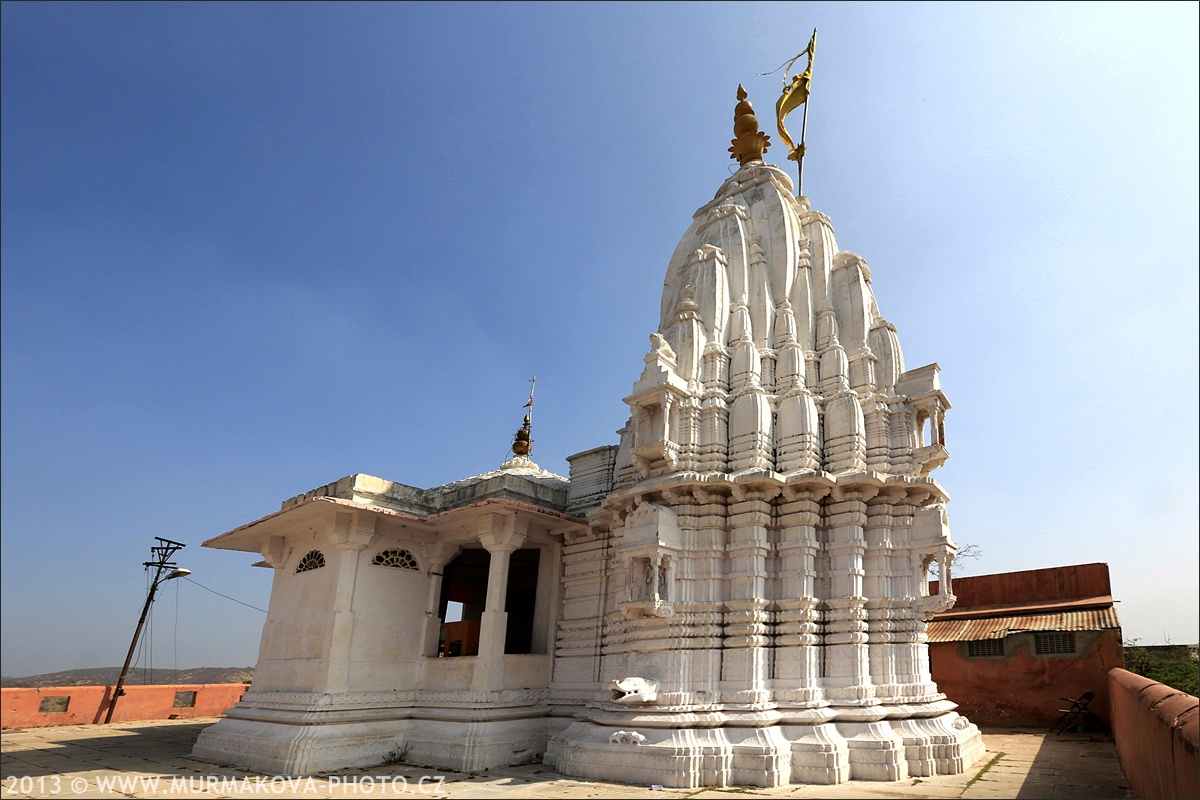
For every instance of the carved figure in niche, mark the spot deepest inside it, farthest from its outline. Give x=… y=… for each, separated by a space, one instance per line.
x=634 y=690
x=641 y=588
x=663 y=586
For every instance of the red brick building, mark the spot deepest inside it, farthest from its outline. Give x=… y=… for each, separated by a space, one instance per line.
x=1016 y=643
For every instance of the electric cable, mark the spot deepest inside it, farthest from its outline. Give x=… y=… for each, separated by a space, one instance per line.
x=227 y=597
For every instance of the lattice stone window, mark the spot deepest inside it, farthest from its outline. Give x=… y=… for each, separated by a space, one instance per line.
x=54 y=705
x=313 y=559
x=985 y=647
x=400 y=559
x=1057 y=643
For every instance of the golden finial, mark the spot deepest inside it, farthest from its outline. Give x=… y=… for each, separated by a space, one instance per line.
x=522 y=443
x=749 y=143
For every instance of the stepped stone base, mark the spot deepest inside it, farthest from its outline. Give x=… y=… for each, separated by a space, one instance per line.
x=297 y=749
x=827 y=753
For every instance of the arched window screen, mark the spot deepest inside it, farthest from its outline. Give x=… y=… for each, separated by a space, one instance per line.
x=400 y=559
x=313 y=559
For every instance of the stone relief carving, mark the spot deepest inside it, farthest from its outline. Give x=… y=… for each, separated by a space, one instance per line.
x=627 y=737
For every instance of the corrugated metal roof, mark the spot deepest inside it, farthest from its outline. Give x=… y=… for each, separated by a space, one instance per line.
x=969 y=630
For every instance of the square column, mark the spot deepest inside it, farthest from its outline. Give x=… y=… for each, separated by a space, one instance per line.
x=440 y=555
x=350 y=534
x=500 y=533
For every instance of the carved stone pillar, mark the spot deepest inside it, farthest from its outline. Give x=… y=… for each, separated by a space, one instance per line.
x=797 y=629
x=876 y=420
x=881 y=597
x=350 y=534
x=847 y=667
x=910 y=643
x=902 y=428
x=745 y=665
x=500 y=534
x=689 y=429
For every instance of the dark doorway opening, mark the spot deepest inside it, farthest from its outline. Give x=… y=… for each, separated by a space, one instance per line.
x=521 y=600
x=464 y=583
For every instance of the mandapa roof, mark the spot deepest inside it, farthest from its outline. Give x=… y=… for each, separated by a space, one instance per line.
x=536 y=475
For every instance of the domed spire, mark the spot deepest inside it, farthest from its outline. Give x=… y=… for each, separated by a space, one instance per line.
x=749 y=143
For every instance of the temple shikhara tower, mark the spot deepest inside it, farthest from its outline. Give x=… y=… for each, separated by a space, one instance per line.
x=734 y=594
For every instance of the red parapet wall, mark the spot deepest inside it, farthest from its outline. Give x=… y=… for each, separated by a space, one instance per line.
x=1030 y=586
x=85 y=705
x=1156 y=729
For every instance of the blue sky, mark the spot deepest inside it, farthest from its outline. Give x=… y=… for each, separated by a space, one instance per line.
x=251 y=248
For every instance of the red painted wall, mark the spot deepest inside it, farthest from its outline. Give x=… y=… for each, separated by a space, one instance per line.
x=89 y=704
x=1157 y=730
x=1024 y=691
x=1030 y=586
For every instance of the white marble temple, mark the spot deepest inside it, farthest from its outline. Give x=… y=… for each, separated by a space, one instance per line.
x=762 y=555
x=735 y=594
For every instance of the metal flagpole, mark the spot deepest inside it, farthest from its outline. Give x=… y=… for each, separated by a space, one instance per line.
x=800 y=150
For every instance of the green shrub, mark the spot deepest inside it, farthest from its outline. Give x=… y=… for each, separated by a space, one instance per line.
x=1174 y=667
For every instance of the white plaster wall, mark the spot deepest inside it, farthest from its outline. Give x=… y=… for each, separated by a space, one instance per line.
x=389 y=621
x=293 y=648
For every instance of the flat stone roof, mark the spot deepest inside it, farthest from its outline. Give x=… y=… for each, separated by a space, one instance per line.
x=513 y=481
x=152 y=759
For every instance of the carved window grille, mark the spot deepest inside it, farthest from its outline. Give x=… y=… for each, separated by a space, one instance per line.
x=1058 y=643
x=313 y=559
x=399 y=559
x=985 y=648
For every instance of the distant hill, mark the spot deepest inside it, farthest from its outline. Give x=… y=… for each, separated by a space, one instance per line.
x=107 y=676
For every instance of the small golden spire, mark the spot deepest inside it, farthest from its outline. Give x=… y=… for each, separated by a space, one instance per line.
x=749 y=143
x=522 y=442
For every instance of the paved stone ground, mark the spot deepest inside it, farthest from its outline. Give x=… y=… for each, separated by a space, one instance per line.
x=153 y=760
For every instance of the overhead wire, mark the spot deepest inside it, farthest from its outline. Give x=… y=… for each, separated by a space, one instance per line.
x=227 y=597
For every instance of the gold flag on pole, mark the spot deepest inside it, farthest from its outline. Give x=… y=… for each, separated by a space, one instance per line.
x=795 y=94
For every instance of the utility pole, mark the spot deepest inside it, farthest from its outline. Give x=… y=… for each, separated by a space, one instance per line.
x=163 y=552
